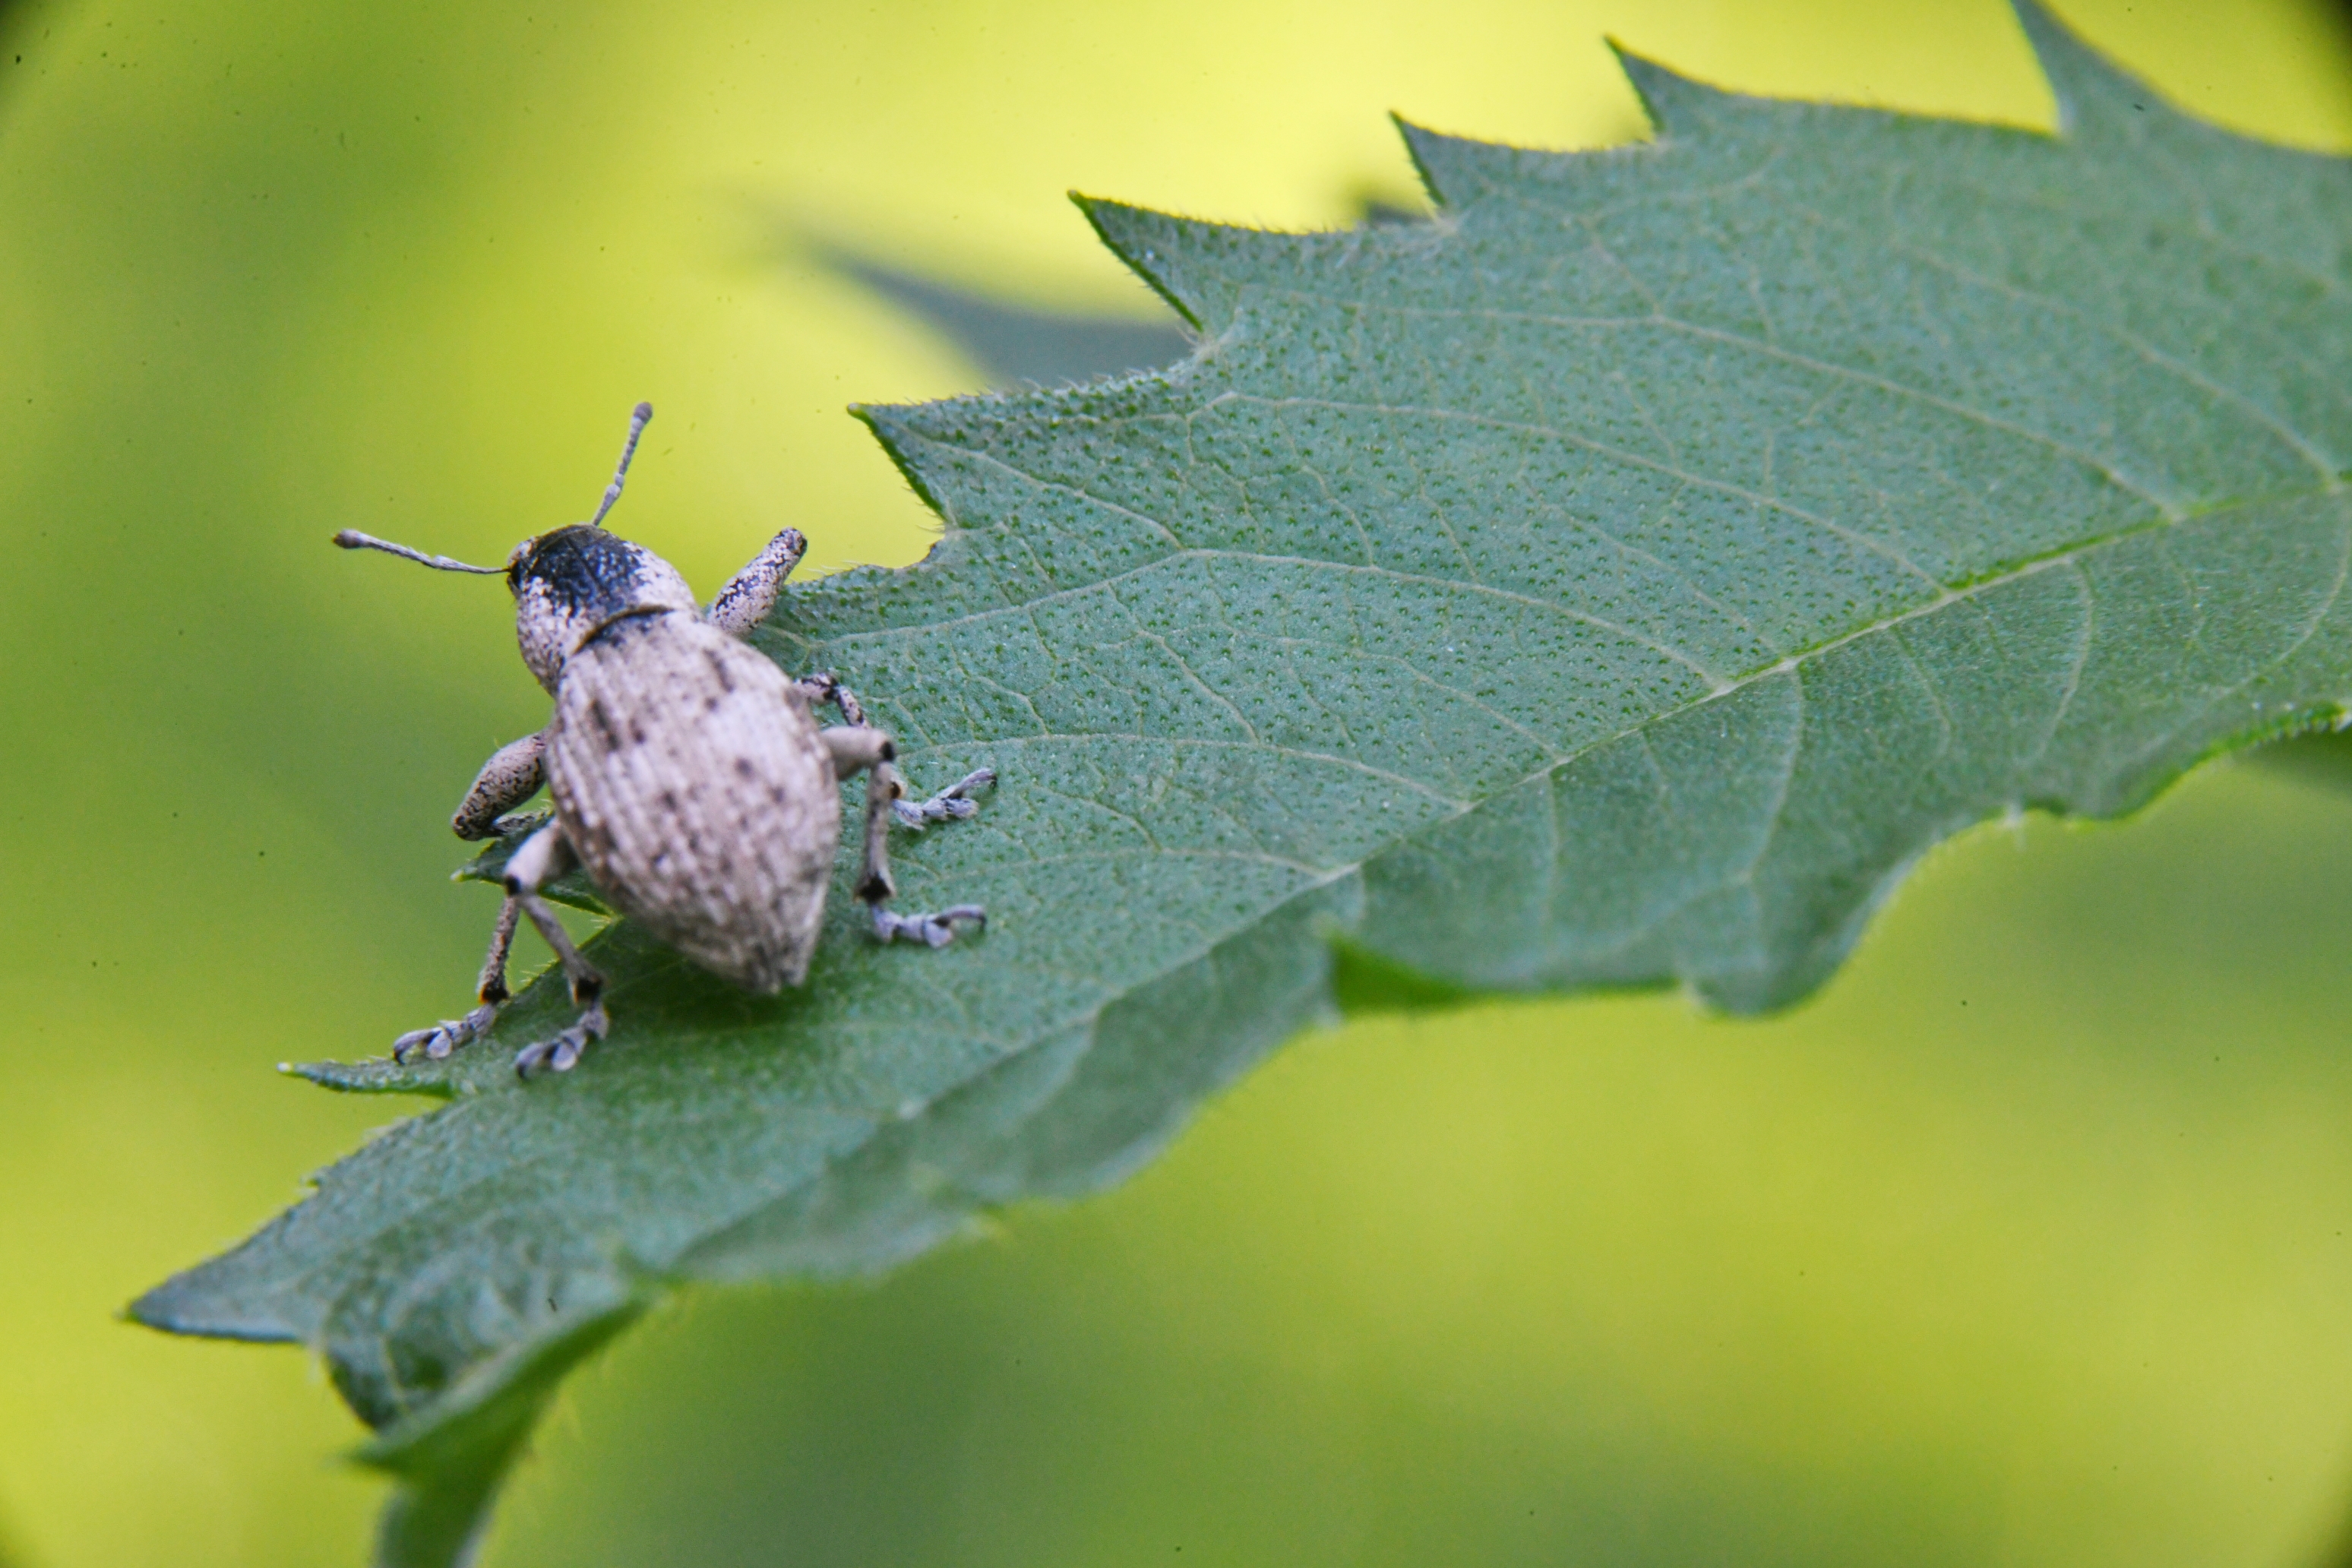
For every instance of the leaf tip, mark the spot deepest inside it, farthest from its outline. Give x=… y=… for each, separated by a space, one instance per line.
x=878 y=417
x=2093 y=95
x=205 y=1302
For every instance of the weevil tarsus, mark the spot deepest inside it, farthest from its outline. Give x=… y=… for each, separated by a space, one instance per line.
x=447 y=1036
x=952 y=803
x=932 y=930
x=489 y=994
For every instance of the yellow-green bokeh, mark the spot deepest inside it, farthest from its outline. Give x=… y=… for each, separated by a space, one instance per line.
x=2025 y=1245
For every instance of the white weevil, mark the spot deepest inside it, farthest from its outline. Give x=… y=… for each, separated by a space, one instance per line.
x=688 y=773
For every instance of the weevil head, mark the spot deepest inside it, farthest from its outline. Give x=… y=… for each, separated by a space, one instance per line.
x=570 y=582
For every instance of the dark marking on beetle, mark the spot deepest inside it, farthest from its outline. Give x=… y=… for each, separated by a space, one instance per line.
x=604 y=723
x=720 y=672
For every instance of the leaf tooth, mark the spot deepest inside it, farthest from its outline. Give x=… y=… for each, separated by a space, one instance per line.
x=1188 y=262
x=2097 y=100
x=1456 y=169
x=904 y=429
x=1676 y=104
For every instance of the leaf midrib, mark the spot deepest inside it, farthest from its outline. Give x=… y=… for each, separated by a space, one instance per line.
x=1723 y=686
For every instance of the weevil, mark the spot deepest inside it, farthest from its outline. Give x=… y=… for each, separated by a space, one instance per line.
x=689 y=776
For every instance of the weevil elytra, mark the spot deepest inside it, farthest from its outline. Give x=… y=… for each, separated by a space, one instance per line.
x=689 y=776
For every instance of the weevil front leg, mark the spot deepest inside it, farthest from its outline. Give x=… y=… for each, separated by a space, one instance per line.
x=512 y=776
x=752 y=593
x=544 y=857
x=857 y=747
x=489 y=993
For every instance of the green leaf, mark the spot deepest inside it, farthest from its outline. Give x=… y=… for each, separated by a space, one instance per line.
x=451 y=1454
x=1620 y=580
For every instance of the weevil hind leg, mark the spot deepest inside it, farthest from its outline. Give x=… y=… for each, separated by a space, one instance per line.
x=489 y=993
x=544 y=857
x=885 y=800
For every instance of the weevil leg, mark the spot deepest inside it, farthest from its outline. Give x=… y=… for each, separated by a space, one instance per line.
x=489 y=993
x=490 y=987
x=884 y=796
x=512 y=776
x=932 y=930
x=884 y=789
x=853 y=748
x=546 y=855
x=857 y=747
x=752 y=593
x=822 y=688
x=953 y=803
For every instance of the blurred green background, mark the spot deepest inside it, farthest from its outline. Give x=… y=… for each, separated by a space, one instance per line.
x=2030 y=1242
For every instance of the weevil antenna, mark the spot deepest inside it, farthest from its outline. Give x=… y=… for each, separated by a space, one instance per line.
x=353 y=539
x=638 y=418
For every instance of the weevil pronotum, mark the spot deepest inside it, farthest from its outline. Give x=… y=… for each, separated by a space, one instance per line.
x=688 y=773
